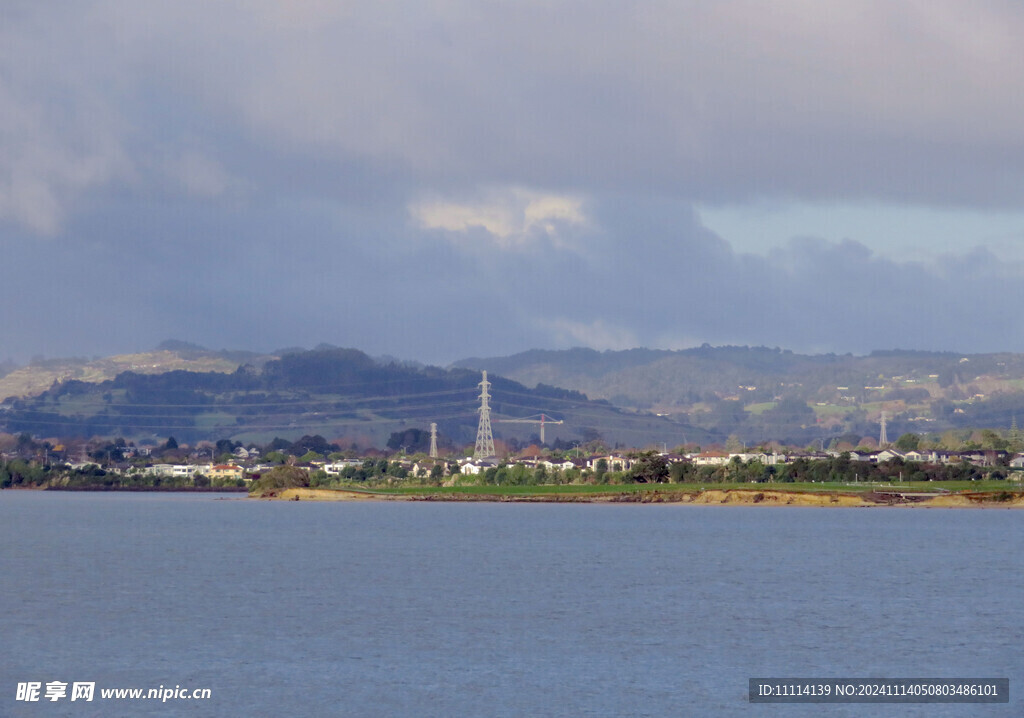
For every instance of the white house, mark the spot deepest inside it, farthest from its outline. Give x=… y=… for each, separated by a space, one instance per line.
x=888 y=455
x=560 y=465
x=615 y=462
x=478 y=466
x=336 y=467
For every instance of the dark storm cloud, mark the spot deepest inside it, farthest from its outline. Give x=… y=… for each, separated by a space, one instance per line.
x=435 y=180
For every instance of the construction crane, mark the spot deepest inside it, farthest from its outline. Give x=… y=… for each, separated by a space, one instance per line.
x=535 y=419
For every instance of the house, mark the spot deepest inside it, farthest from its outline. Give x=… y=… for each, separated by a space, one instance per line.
x=176 y=470
x=559 y=465
x=478 y=466
x=424 y=468
x=226 y=472
x=760 y=457
x=614 y=462
x=336 y=467
x=711 y=458
x=985 y=457
x=888 y=455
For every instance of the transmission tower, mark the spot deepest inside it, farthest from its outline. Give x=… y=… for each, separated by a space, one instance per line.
x=484 y=438
x=433 y=440
x=883 y=440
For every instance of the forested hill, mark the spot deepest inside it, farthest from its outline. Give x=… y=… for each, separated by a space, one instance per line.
x=630 y=398
x=646 y=378
x=42 y=373
x=760 y=393
x=336 y=393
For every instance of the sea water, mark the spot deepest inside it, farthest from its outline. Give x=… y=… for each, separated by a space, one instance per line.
x=495 y=609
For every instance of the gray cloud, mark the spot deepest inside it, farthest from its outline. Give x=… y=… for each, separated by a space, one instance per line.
x=434 y=180
x=723 y=101
x=650 y=275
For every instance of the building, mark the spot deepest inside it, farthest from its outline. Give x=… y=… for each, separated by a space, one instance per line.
x=225 y=472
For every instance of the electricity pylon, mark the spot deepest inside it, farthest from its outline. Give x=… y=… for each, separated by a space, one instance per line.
x=484 y=437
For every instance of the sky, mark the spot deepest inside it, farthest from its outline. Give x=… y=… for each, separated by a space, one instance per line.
x=442 y=179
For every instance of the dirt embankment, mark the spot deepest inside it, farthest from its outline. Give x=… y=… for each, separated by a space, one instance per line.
x=778 y=498
x=996 y=500
x=326 y=495
x=733 y=497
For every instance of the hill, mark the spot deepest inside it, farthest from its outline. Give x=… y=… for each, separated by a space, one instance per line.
x=760 y=393
x=336 y=393
x=638 y=397
x=41 y=374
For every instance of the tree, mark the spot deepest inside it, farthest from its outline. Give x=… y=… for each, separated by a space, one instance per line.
x=412 y=440
x=171 y=443
x=318 y=478
x=26 y=444
x=279 y=444
x=680 y=470
x=991 y=439
x=279 y=478
x=226 y=446
x=650 y=468
x=309 y=443
x=908 y=442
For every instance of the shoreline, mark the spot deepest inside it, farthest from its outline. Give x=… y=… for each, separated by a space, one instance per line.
x=662 y=495
x=708 y=497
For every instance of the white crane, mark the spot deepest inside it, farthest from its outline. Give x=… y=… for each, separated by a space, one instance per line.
x=535 y=419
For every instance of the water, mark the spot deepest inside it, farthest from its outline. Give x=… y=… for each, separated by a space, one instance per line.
x=427 y=609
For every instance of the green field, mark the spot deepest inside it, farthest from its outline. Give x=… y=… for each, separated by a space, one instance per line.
x=833 y=410
x=593 y=489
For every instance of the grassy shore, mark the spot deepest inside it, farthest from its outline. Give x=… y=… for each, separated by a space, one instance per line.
x=955 y=494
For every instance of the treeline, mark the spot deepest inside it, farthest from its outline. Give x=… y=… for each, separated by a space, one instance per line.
x=21 y=474
x=651 y=468
x=838 y=470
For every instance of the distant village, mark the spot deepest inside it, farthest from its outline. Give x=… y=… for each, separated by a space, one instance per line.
x=243 y=464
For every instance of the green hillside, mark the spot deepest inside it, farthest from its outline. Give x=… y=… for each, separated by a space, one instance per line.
x=341 y=394
x=41 y=374
x=759 y=394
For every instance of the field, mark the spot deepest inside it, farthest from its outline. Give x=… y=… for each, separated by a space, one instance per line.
x=595 y=490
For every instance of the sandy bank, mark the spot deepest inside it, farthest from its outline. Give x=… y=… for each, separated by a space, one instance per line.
x=718 y=497
x=778 y=498
x=330 y=495
x=973 y=500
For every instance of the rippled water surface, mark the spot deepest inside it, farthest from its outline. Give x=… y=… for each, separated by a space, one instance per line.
x=470 y=609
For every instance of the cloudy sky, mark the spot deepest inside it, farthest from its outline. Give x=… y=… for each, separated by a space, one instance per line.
x=440 y=179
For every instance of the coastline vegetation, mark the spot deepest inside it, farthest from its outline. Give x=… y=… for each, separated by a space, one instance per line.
x=652 y=477
x=21 y=474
